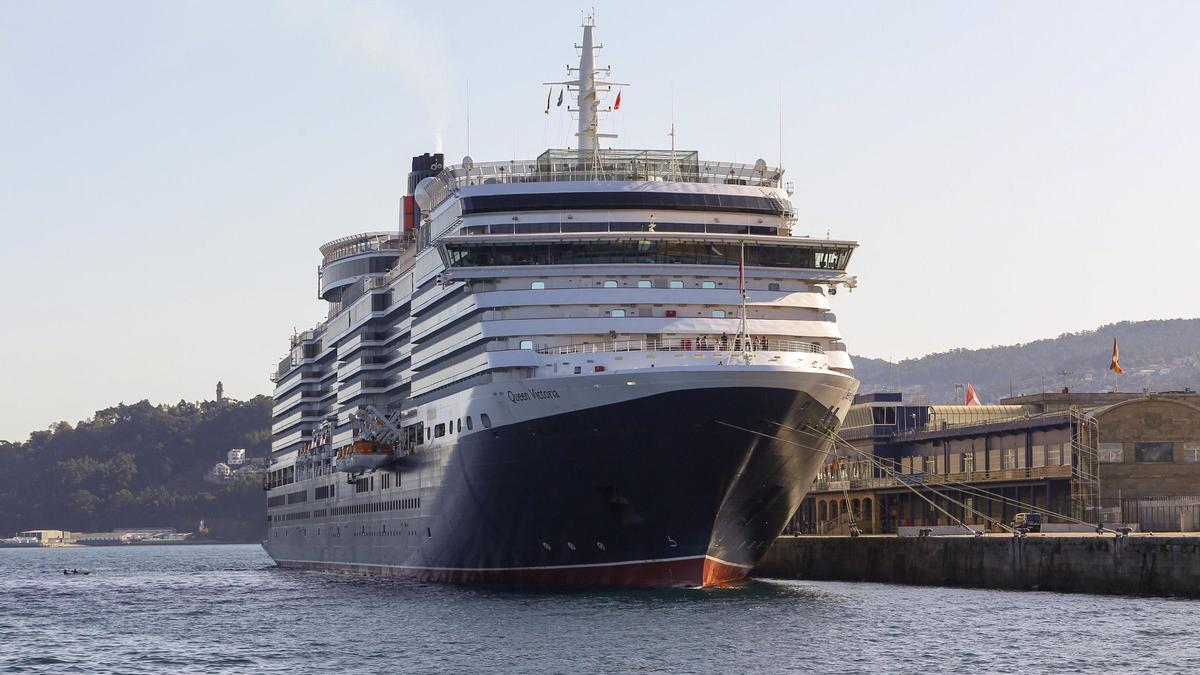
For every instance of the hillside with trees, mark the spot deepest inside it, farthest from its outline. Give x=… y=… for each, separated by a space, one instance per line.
x=1156 y=356
x=138 y=465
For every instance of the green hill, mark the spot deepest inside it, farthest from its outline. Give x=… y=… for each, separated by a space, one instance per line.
x=138 y=465
x=1156 y=355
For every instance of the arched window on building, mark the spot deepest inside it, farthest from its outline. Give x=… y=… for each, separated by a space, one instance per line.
x=822 y=512
x=856 y=509
x=868 y=513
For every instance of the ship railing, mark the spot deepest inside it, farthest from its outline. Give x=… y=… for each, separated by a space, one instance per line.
x=354 y=244
x=700 y=344
x=605 y=165
x=530 y=171
x=821 y=484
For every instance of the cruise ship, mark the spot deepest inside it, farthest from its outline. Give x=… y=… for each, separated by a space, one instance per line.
x=600 y=367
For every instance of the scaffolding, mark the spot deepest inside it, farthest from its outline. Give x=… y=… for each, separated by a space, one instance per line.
x=1085 y=466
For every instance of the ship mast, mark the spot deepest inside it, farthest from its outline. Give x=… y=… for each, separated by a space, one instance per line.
x=587 y=101
x=587 y=89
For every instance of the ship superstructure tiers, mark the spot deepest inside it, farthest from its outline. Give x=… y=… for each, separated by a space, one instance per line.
x=597 y=367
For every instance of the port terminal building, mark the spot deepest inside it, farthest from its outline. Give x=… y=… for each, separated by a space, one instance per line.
x=1116 y=458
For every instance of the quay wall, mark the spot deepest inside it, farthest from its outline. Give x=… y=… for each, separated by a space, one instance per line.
x=1133 y=565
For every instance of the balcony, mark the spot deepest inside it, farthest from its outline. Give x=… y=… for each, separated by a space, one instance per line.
x=753 y=343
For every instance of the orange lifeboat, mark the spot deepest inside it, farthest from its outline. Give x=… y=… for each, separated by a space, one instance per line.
x=363 y=455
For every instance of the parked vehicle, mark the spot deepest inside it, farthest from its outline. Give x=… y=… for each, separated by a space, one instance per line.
x=1027 y=522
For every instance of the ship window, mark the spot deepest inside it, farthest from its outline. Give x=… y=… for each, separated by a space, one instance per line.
x=481 y=254
x=675 y=283
x=526 y=344
x=470 y=425
x=708 y=284
x=439 y=430
x=428 y=433
x=459 y=425
x=538 y=285
x=610 y=283
x=772 y=286
x=487 y=421
x=718 y=314
x=617 y=313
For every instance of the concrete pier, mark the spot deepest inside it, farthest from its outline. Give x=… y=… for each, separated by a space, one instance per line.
x=1139 y=564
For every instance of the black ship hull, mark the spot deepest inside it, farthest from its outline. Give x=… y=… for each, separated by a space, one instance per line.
x=684 y=488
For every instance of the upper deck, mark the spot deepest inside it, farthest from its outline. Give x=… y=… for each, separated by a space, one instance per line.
x=607 y=165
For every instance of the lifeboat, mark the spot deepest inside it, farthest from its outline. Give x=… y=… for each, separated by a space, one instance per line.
x=304 y=457
x=362 y=456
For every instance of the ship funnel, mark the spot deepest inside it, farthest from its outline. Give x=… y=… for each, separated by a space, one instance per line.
x=416 y=200
x=424 y=166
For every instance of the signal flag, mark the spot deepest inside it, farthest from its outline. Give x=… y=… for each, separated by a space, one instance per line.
x=1115 y=366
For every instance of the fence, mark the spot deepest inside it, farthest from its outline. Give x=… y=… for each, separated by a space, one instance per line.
x=1161 y=514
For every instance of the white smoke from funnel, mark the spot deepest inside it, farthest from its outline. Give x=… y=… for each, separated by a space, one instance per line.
x=401 y=44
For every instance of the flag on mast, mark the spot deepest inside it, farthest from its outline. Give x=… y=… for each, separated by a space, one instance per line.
x=972 y=397
x=560 y=99
x=548 y=92
x=1115 y=366
x=617 y=103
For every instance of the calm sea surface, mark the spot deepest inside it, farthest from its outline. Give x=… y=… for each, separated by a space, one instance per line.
x=209 y=609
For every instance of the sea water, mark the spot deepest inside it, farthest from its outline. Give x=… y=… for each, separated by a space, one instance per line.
x=212 y=609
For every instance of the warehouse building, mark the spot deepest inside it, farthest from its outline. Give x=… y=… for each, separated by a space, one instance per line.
x=1097 y=457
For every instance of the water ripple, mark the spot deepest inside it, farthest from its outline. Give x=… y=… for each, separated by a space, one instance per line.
x=216 y=609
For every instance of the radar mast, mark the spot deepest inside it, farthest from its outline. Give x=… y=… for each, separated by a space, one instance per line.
x=588 y=88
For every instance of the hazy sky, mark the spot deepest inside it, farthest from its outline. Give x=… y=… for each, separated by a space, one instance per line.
x=168 y=169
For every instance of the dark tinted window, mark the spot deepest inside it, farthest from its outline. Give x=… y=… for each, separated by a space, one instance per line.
x=677 y=201
x=488 y=254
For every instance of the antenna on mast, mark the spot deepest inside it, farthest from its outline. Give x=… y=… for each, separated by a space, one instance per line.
x=673 y=170
x=781 y=126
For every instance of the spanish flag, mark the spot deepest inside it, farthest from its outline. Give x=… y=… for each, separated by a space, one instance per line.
x=1115 y=366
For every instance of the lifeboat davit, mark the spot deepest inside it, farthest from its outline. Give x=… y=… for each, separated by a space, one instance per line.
x=363 y=456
